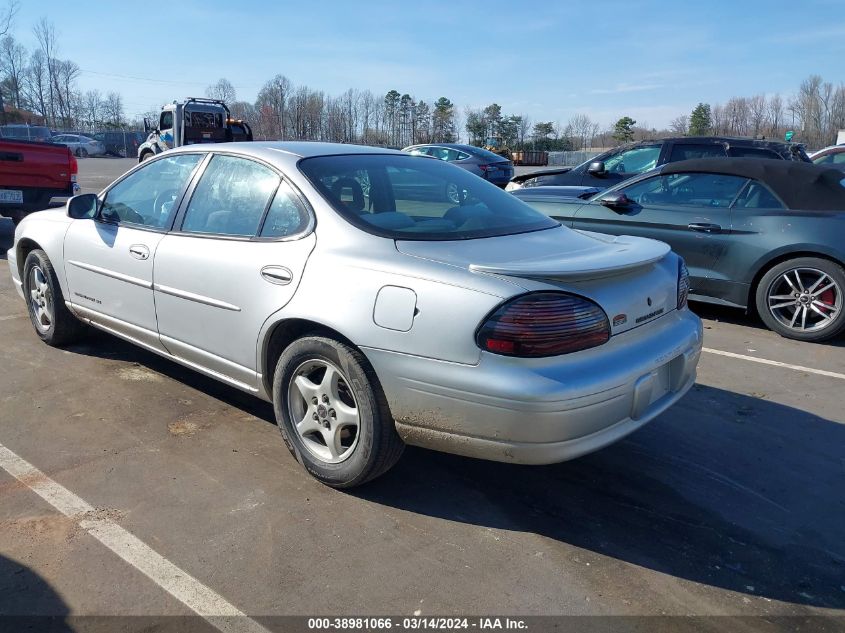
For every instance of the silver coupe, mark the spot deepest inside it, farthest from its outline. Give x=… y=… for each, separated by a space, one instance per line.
x=350 y=288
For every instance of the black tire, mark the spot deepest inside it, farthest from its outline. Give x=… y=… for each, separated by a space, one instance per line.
x=377 y=446
x=63 y=327
x=775 y=284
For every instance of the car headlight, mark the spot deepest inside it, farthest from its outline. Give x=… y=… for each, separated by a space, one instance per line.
x=683 y=283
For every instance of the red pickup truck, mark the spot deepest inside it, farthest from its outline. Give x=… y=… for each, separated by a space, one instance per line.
x=31 y=174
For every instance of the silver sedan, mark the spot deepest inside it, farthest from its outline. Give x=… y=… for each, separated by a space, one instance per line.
x=81 y=146
x=347 y=286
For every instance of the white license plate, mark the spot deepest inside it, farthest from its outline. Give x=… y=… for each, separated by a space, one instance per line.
x=11 y=196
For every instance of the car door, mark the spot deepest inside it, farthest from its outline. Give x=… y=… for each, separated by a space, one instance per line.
x=243 y=238
x=109 y=259
x=688 y=211
x=622 y=166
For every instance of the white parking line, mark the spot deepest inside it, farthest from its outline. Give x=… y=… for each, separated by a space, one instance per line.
x=9 y=317
x=185 y=588
x=775 y=363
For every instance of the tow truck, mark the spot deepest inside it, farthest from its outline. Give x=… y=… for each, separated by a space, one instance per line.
x=194 y=120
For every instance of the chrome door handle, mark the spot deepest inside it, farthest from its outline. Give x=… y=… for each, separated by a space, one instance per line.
x=704 y=228
x=139 y=251
x=277 y=275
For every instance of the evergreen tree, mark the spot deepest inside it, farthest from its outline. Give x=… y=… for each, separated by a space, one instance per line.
x=700 y=121
x=623 y=130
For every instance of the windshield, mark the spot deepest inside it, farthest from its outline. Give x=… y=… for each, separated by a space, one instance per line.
x=415 y=198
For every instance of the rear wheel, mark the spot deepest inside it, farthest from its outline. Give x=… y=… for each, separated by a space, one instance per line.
x=53 y=322
x=332 y=413
x=146 y=156
x=803 y=299
x=82 y=152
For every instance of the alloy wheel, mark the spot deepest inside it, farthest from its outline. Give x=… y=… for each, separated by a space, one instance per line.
x=804 y=299
x=324 y=411
x=40 y=299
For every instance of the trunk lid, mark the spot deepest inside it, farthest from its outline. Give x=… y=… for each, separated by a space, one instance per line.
x=631 y=278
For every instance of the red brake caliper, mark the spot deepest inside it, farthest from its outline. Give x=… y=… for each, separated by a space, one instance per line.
x=828 y=298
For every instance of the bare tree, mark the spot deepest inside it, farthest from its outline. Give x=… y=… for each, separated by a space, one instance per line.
x=680 y=125
x=223 y=90
x=113 y=110
x=45 y=35
x=37 y=85
x=581 y=130
x=757 y=109
x=272 y=104
x=774 y=116
x=92 y=108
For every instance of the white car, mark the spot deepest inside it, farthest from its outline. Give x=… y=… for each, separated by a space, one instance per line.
x=346 y=286
x=81 y=146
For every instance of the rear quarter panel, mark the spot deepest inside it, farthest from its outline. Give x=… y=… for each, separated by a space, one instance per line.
x=762 y=237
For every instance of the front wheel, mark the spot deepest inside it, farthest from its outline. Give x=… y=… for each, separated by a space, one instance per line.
x=82 y=152
x=332 y=413
x=802 y=299
x=50 y=317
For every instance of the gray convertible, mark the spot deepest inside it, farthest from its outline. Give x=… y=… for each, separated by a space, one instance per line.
x=347 y=286
x=765 y=235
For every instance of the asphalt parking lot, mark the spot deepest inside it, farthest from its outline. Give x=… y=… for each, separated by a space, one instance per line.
x=730 y=503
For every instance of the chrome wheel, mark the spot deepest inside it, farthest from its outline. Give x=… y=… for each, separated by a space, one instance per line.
x=324 y=411
x=40 y=299
x=804 y=299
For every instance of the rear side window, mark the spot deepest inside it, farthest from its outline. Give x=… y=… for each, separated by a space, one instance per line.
x=287 y=216
x=757 y=196
x=231 y=197
x=682 y=151
x=752 y=152
x=444 y=153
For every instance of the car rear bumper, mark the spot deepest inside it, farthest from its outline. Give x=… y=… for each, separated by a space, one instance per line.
x=547 y=410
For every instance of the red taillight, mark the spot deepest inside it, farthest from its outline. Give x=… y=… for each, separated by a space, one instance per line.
x=544 y=324
x=74 y=166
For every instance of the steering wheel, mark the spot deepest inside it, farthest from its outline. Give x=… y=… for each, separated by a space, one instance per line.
x=165 y=197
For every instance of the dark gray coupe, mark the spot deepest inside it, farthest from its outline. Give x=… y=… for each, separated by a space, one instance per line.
x=765 y=235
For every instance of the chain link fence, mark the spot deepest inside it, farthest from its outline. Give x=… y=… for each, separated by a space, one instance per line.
x=123 y=143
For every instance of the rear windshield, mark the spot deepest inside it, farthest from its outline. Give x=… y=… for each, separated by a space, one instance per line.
x=416 y=198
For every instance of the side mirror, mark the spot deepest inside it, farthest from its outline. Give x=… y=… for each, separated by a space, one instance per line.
x=82 y=207
x=596 y=168
x=615 y=201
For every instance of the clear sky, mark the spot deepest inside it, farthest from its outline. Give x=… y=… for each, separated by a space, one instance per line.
x=651 y=60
